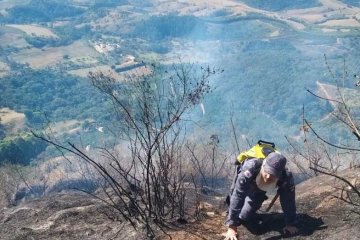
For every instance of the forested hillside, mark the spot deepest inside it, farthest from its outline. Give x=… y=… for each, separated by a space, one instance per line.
x=268 y=58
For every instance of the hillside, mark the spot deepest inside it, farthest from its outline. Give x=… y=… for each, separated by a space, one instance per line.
x=163 y=95
x=74 y=215
x=260 y=45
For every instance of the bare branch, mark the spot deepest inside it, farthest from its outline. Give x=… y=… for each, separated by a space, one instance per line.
x=329 y=143
x=338 y=177
x=327 y=99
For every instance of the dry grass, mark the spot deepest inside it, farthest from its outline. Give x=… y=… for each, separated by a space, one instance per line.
x=136 y=72
x=115 y=18
x=60 y=23
x=9 y=182
x=34 y=30
x=275 y=33
x=205 y=8
x=323 y=15
x=4 y=69
x=309 y=15
x=13 y=39
x=333 y=4
x=67 y=126
x=6 y=4
x=59 y=169
x=198 y=7
x=80 y=52
x=50 y=175
x=328 y=30
x=330 y=91
x=83 y=72
x=13 y=121
x=341 y=23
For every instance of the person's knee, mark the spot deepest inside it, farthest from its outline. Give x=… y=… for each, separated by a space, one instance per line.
x=246 y=214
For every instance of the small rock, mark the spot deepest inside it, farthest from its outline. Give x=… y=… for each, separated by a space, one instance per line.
x=210 y=214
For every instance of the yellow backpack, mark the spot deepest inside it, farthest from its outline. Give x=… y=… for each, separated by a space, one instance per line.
x=260 y=150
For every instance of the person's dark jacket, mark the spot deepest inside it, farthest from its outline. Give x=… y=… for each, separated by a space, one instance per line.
x=245 y=185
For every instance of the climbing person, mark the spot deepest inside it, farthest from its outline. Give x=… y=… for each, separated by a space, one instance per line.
x=254 y=179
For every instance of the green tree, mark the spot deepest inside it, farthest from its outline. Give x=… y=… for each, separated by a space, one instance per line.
x=20 y=149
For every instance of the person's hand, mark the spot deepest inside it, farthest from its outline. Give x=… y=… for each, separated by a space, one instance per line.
x=290 y=229
x=230 y=234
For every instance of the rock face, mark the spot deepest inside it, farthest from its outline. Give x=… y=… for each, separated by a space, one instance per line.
x=73 y=215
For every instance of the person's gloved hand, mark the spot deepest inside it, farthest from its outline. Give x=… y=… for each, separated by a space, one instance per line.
x=290 y=230
x=230 y=234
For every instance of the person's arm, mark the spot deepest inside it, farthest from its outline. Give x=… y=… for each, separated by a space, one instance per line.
x=237 y=200
x=233 y=182
x=238 y=195
x=288 y=205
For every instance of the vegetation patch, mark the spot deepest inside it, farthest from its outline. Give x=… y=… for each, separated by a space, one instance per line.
x=167 y=26
x=41 y=11
x=66 y=35
x=108 y=3
x=20 y=149
x=60 y=96
x=280 y=5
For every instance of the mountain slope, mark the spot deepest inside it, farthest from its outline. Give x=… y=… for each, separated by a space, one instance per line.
x=76 y=216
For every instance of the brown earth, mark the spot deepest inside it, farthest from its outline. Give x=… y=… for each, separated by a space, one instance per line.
x=74 y=215
x=320 y=216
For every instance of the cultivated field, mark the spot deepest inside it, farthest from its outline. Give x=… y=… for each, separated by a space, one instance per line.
x=34 y=30
x=294 y=18
x=78 y=52
x=332 y=13
x=84 y=72
x=136 y=72
x=12 y=37
x=82 y=53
